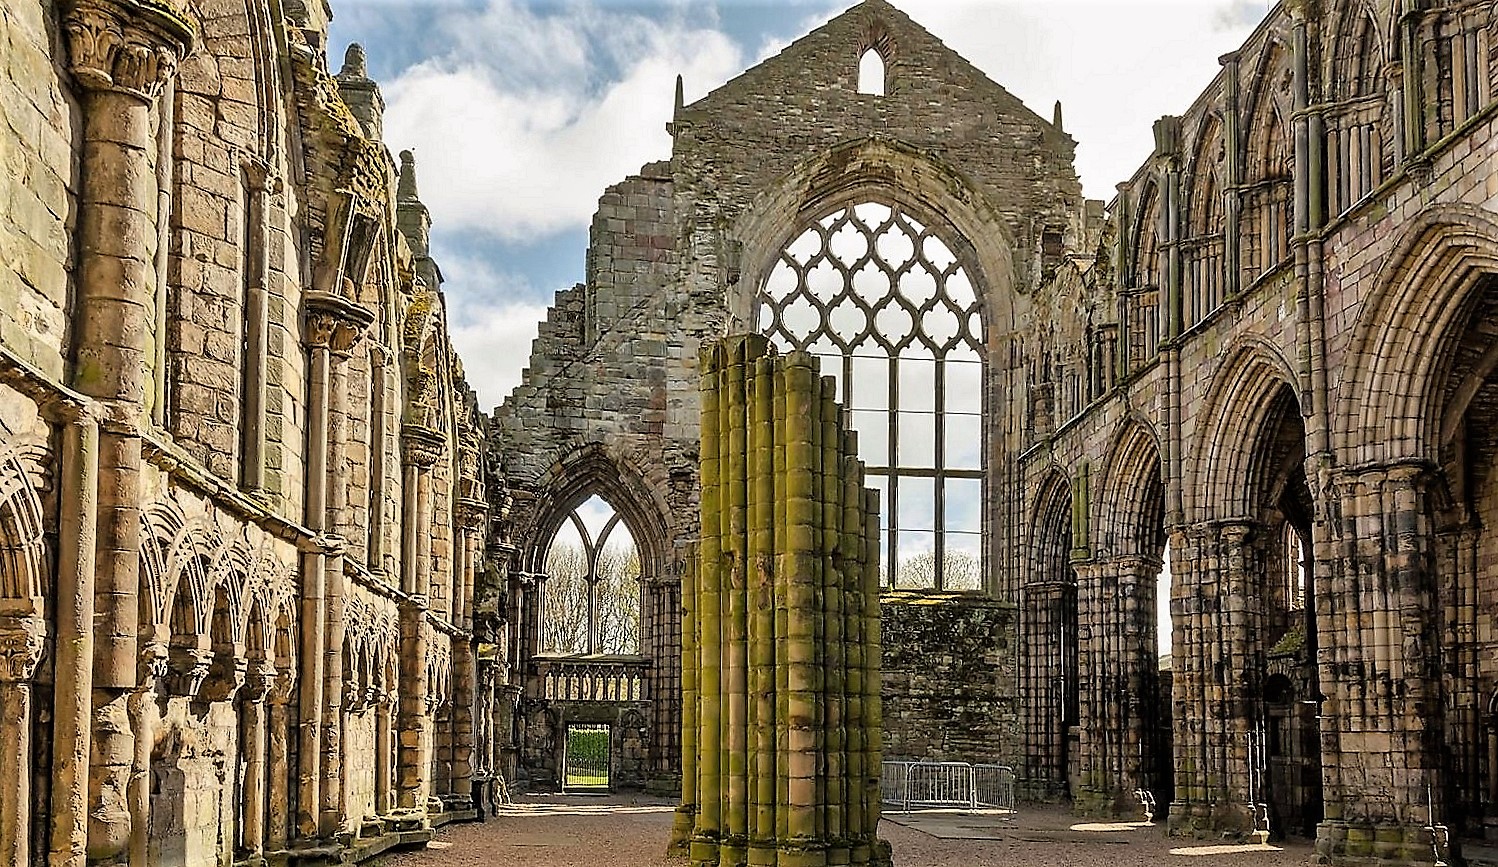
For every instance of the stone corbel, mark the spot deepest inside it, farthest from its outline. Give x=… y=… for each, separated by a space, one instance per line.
x=470 y=513
x=153 y=665
x=333 y=321
x=260 y=681
x=22 y=642
x=187 y=670
x=422 y=446
x=354 y=698
x=281 y=689
x=129 y=46
x=227 y=675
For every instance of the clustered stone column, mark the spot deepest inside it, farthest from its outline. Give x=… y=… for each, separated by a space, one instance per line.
x=122 y=53
x=1383 y=705
x=1117 y=716
x=1217 y=614
x=780 y=647
x=333 y=325
x=471 y=515
x=421 y=448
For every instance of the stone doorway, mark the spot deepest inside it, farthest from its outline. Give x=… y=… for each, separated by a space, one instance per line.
x=585 y=758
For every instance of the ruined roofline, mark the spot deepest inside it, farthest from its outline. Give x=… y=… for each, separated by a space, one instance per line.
x=703 y=102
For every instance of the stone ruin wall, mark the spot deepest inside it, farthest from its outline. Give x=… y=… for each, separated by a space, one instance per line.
x=234 y=249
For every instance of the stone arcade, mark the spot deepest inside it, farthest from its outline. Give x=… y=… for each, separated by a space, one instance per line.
x=273 y=589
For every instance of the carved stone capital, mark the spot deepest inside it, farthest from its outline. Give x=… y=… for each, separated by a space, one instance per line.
x=260 y=681
x=227 y=675
x=187 y=668
x=283 y=688
x=422 y=446
x=333 y=322
x=470 y=513
x=346 y=336
x=127 y=46
x=153 y=663
x=22 y=640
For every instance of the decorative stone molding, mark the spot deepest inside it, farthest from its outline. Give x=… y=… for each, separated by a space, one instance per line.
x=470 y=513
x=153 y=663
x=283 y=687
x=226 y=677
x=22 y=641
x=333 y=322
x=260 y=681
x=187 y=669
x=422 y=446
x=128 y=46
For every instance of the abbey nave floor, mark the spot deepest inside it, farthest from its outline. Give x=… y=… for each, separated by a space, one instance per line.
x=558 y=831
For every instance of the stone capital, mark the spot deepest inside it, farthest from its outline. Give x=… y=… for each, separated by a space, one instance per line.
x=22 y=640
x=470 y=513
x=422 y=446
x=260 y=680
x=260 y=175
x=126 y=46
x=333 y=322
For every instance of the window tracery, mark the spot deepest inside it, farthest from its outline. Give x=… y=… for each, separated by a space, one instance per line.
x=892 y=314
x=592 y=595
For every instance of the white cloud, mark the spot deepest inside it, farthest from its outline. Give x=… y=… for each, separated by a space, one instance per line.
x=494 y=341
x=528 y=116
x=521 y=126
x=492 y=318
x=1115 y=65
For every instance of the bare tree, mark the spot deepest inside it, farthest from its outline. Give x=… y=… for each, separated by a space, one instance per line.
x=618 y=594
x=565 y=617
x=959 y=571
x=615 y=581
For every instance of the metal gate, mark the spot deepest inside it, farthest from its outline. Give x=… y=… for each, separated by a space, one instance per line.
x=585 y=758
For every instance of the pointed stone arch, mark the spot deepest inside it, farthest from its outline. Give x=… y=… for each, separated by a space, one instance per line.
x=25 y=557
x=1049 y=640
x=1131 y=508
x=1386 y=407
x=589 y=470
x=881 y=170
x=1240 y=399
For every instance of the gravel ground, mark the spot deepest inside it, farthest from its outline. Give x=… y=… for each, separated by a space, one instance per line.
x=555 y=831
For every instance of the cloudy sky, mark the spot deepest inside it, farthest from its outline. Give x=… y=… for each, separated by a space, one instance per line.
x=521 y=113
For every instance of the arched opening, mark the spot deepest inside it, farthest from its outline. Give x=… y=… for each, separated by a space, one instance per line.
x=1270 y=171
x=1202 y=252
x=26 y=693
x=871 y=73
x=592 y=602
x=1050 y=649
x=889 y=308
x=1140 y=317
x=1465 y=408
x=1124 y=600
x=1280 y=541
x=1360 y=131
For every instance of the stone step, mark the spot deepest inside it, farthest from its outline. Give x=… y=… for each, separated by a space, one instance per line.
x=1484 y=854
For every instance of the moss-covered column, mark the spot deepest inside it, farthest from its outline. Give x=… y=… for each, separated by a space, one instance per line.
x=781 y=636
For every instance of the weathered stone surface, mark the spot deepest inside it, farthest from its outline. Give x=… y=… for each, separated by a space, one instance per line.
x=205 y=499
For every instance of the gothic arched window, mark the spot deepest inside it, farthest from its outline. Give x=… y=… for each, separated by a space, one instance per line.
x=592 y=602
x=892 y=314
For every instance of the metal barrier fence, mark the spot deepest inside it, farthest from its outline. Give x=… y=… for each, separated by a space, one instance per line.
x=947 y=784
